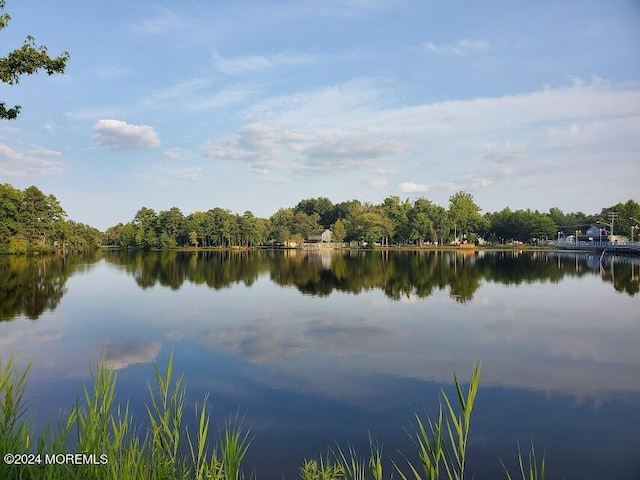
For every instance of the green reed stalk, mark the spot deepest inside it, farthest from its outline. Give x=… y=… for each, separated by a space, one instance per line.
x=165 y=417
x=204 y=467
x=321 y=470
x=533 y=470
x=235 y=444
x=14 y=427
x=353 y=467
x=443 y=441
x=102 y=427
x=375 y=460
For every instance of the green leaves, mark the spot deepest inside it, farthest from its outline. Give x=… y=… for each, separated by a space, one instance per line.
x=535 y=470
x=444 y=442
x=465 y=213
x=26 y=60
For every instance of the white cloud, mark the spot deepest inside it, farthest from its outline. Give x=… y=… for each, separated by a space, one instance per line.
x=167 y=172
x=174 y=153
x=120 y=135
x=503 y=147
x=34 y=162
x=251 y=64
x=92 y=113
x=164 y=21
x=480 y=182
x=505 y=153
x=221 y=98
x=337 y=106
x=195 y=94
x=412 y=187
x=461 y=47
x=265 y=147
x=41 y=152
x=552 y=133
x=368 y=104
x=378 y=182
x=189 y=174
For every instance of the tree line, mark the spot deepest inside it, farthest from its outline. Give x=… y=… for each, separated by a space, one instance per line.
x=32 y=222
x=392 y=222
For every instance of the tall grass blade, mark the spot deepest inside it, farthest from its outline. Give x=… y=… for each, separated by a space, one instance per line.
x=534 y=470
x=443 y=445
x=320 y=470
x=235 y=445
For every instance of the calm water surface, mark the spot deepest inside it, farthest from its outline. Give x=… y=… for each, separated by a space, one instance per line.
x=318 y=348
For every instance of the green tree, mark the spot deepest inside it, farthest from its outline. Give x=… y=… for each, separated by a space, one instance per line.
x=10 y=202
x=281 y=225
x=221 y=227
x=249 y=229
x=193 y=238
x=146 y=223
x=322 y=206
x=128 y=236
x=464 y=214
x=302 y=224
x=338 y=231
x=172 y=227
x=25 y=60
x=39 y=216
x=522 y=225
x=397 y=212
x=626 y=212
x=199 y=223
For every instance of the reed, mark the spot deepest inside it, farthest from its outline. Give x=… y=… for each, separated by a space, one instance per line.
x=166 y=450
x=95 y=425
x=535 y=470
x=442 y=442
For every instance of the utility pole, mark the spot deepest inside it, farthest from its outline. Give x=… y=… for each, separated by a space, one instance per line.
x=635 y=227
x=613 y=216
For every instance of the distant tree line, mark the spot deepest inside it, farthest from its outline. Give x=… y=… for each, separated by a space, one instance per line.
x=392 y=222
x=31 y=222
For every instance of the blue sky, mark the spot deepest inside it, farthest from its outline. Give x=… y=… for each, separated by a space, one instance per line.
x=255 y=105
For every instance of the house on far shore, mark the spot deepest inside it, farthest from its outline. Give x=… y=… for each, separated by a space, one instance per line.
x=321 y=235
x=594 y=234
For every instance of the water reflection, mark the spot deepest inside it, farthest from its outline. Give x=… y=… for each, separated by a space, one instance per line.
x=399 y=274
x=122 y=353
x=320 y=346
x=31 y=286
x=171 y=269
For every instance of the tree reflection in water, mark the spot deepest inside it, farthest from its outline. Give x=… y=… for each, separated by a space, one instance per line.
x=31 y=286
x=398 y=274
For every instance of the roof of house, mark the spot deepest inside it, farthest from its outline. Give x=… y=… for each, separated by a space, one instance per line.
x=319 y=231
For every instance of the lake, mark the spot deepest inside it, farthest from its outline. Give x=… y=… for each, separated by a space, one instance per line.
x=318 y=349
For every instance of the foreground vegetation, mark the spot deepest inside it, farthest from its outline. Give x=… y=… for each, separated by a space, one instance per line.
x=122 y=450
